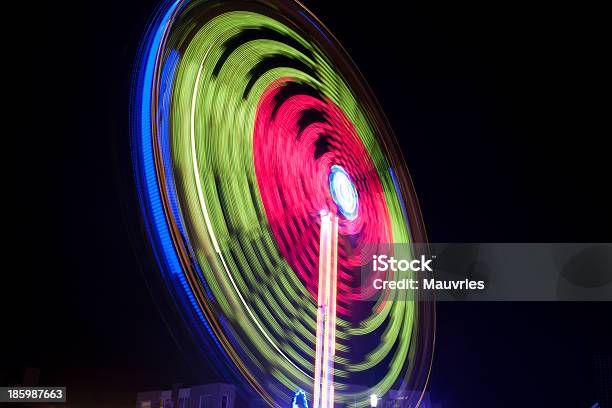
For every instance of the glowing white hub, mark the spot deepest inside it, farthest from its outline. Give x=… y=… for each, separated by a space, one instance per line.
x=343 y=192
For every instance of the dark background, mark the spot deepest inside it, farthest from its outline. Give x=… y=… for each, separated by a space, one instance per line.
x=499 y=109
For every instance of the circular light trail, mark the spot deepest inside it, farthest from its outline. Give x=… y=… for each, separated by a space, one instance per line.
x=248 y=120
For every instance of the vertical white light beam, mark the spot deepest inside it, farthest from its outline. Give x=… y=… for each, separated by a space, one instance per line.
x=326 y=313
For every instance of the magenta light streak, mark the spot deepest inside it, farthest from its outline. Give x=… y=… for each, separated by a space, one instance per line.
x=293 y=159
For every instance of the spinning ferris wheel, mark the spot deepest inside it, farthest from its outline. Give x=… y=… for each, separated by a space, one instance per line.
x=265 y=169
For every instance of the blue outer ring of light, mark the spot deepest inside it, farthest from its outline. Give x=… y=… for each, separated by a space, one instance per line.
x=348 y=205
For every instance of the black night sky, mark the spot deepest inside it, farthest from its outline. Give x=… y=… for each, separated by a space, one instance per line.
x=499 y=111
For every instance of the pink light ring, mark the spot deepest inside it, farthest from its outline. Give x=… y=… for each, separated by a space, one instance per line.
x=293 y=177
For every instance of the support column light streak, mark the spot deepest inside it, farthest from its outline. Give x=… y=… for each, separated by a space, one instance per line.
x=326 y=312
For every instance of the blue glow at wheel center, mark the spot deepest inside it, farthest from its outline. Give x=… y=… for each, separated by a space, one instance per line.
x=343 y=192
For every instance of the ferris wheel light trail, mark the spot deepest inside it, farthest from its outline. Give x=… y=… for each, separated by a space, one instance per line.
x=265 y=174
x=326 y=312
